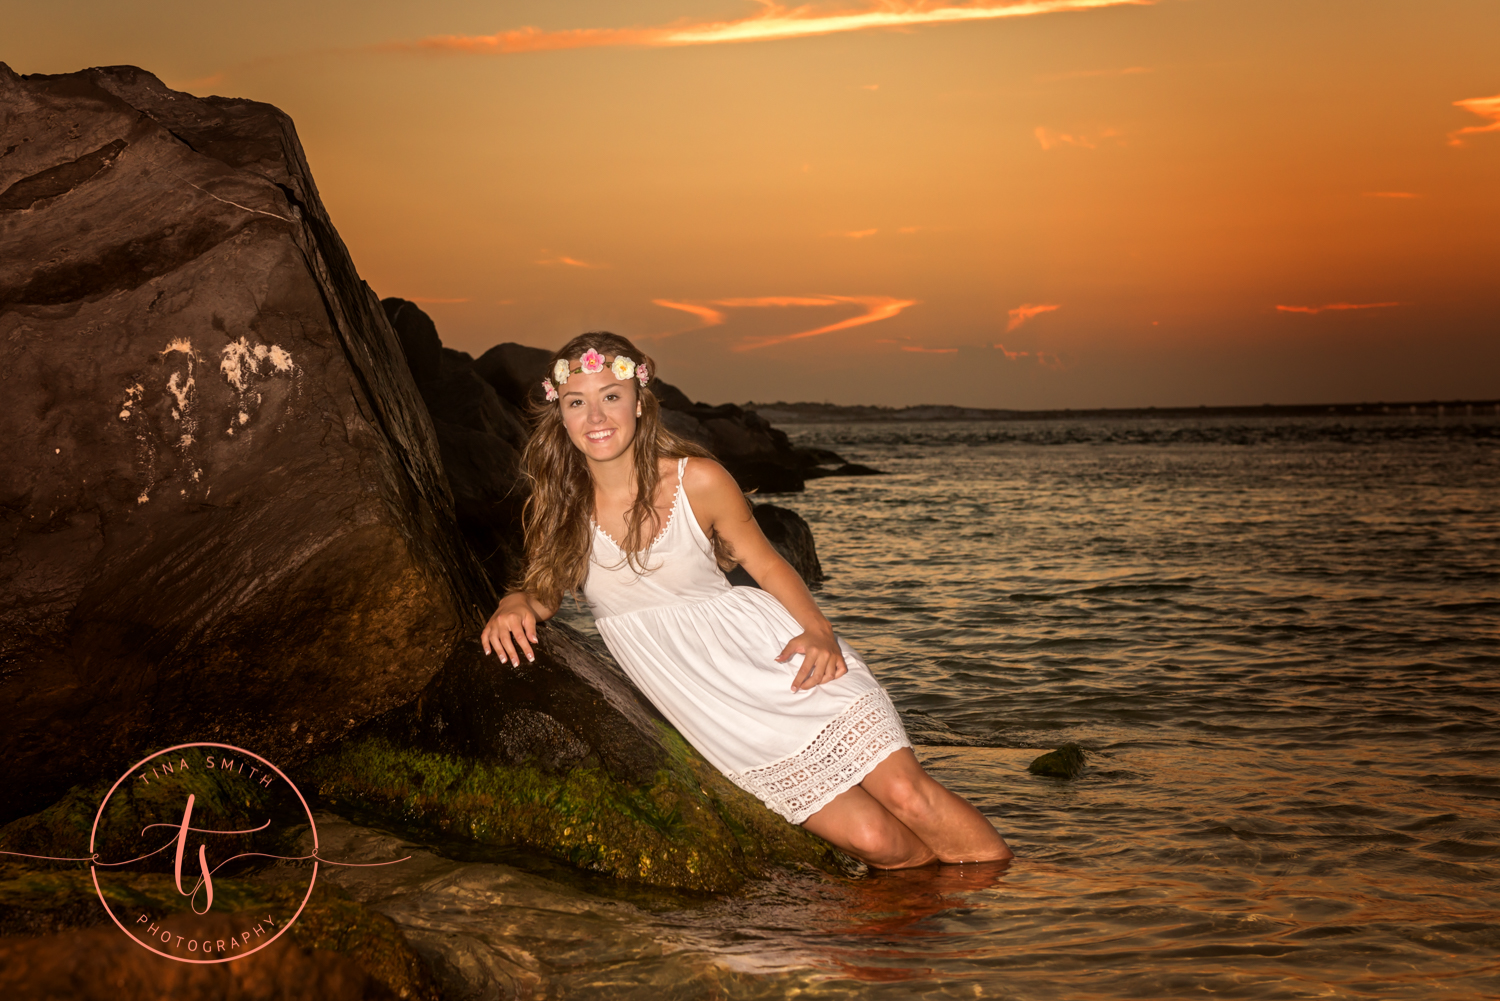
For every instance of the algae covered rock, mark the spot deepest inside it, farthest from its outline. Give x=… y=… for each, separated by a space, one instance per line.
x=1064 y=763
x=684 y=826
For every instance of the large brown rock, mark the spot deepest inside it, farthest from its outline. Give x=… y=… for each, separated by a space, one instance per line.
x=225 y=513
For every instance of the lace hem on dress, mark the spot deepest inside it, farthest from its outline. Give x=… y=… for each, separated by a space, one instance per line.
x=846 y=750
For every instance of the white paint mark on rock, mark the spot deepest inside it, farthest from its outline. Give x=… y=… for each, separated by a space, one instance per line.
x=234 y=362
x=181 y=344
x=242 y=363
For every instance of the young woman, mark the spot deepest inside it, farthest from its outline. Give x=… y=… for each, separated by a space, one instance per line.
x=756 y=680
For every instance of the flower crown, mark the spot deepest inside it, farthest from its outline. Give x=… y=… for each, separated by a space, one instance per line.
x=592 y=361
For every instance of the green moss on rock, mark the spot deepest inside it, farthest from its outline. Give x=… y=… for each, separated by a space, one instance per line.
x=688 y=828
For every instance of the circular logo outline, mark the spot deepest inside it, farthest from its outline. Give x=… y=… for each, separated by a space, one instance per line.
x=94 y=868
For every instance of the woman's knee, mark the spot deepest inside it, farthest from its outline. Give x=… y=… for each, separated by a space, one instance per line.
x=910 y=797
x=887 y=845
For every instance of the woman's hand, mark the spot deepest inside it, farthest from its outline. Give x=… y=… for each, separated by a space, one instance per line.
x=822 y=660
x=513 y=625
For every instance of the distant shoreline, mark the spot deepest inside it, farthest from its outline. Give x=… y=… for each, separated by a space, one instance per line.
x=815 y=413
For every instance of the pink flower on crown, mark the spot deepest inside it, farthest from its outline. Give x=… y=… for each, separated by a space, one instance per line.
x=591 y=362
x=643 y=373
x=551 y=393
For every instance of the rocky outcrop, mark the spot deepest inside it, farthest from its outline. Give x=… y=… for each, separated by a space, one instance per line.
x=241 y=505
x=225 y=514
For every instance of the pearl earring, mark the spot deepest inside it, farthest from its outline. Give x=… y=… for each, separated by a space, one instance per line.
x=638 y=408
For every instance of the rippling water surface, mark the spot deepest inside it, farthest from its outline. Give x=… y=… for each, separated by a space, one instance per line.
x=1279 y=641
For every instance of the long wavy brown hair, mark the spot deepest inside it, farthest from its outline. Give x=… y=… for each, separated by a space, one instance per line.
x=559 y=514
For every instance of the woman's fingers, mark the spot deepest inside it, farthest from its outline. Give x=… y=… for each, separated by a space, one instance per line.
x=509 y=637
x=521 y=631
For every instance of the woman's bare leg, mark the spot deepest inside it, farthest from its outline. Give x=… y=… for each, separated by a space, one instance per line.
x=857 y=823
x=948 y=824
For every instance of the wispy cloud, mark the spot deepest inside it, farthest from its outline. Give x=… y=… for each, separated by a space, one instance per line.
x=876 y=308
x=908 y=229
x=1044 y=358
x=1051 y=140
x=430 y=301
x=858 y=234
x=571 y=262
x=919 y=350
x=1026 y=311
x=710 y=317
x=773 y=23
x=1484 y=107
x=1391 y=194
x=1335 y=306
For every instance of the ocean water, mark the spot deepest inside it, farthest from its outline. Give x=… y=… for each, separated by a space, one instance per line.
x=1279 y=641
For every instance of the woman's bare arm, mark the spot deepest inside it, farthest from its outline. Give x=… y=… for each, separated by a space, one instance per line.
x=513 y=627
x=717 y=500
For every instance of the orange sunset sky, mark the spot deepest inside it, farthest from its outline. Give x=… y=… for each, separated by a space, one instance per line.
x=1073 y=203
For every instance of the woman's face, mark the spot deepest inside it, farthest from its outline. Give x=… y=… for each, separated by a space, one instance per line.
x=598 y=412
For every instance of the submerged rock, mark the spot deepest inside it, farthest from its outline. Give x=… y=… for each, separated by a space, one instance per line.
x=1064 y=763
x=58 y=942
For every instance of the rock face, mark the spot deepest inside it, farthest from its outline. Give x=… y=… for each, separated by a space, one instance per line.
x=225 y=514
x=244 y=502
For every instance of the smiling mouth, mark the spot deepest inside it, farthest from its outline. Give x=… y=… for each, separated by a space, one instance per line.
x=599 y=435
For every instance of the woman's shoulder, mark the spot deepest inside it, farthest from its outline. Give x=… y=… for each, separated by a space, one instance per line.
x=700 y=473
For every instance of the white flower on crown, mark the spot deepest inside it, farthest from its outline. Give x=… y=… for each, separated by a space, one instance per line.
x=560 y=371
x=623 y=367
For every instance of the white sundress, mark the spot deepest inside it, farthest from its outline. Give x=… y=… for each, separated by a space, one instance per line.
x=704 y=652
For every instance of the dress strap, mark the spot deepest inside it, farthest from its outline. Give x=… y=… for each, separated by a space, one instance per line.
x=681 y=465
